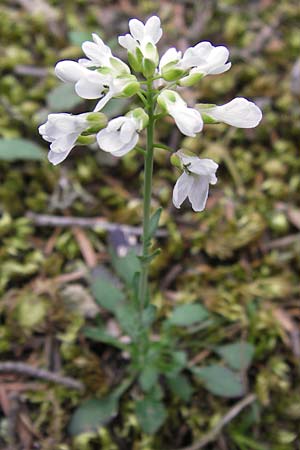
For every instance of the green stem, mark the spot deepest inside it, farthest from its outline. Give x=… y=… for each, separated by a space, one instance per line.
x=148 y=171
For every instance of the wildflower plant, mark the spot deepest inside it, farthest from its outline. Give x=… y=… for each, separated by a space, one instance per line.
x=155 y=82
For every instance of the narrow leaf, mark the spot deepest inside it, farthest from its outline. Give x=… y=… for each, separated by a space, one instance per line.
x=154 y=221
x=100 y=335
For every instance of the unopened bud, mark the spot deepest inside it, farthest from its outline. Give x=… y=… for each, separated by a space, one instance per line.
x=85 y=140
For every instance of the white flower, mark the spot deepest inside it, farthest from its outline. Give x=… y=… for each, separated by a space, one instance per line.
x=99 y=55
x=203 y=59
x=194 y=181
x=239 y=112
x=62 y=130
x=91 y=84
x=188 y=120
x=121 y=134
x=143 y=37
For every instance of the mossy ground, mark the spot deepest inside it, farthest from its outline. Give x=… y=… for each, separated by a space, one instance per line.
x=240 y=258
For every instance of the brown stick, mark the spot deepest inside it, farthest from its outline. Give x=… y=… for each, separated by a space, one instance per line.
x=45 y=220
x=26 y=369
x=231 y=414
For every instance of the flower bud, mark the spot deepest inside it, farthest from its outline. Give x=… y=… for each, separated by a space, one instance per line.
x=130 y=86
x=134 y=62
x=171 y=73
x=97 y=121
x=148 y=67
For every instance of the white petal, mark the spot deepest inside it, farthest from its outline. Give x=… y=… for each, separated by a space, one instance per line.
x=56 y=158
x=153 y=29
x=110 y=142
x=137 y=28
x=239 y=112
x=96 y=54
x=181 y=189
x=127 y=147
x=188 y=120
x=220 y=69
x=171 y=55
x=64 y=143
x=127 y=130
x=198 y=193
x=104 y=100
x=87 y=89
x=69 y=71
x=128 y=42
x=219 y=55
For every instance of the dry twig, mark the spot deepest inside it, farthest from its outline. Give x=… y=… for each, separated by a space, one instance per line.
x=45 y=220
x=26 y=369
x=229 y=416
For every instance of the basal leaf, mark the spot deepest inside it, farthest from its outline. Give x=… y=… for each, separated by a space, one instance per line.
x=107 y=294
x=63 y=98
x=220 y=380
x=126 y=266
x=180 y=386
x=92 y=414
x=185 y=315
x=20 y=149
x=238 y=355
x=151 y=414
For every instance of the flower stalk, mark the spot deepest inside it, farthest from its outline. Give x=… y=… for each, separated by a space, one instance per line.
x=148 y=172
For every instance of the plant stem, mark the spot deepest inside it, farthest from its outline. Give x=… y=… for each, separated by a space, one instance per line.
x=143 y=286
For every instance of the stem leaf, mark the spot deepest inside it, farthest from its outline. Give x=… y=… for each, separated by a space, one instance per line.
x=153 y=224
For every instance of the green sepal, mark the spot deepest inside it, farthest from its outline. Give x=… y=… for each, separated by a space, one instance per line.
x=85 y=140
x=148 y=67
x=134 y=63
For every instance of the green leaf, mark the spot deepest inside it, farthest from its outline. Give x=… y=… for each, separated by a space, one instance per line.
x=220 y=380
x=78 y=37
x=181 y=386
x=100 y=335
x=154 y=221
x=151 y=414
x=126 y=266
x=148 y=378
x=63 y=98
x=185 y=315
x=149 y=315
x=14 y=149
x=92 y=414
x=238 y=355
x=128 y=318
x=107 y=294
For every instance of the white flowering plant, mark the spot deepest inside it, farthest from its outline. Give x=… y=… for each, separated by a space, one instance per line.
x=155 y=82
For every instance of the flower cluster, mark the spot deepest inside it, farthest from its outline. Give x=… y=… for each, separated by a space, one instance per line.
x=102 y=76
